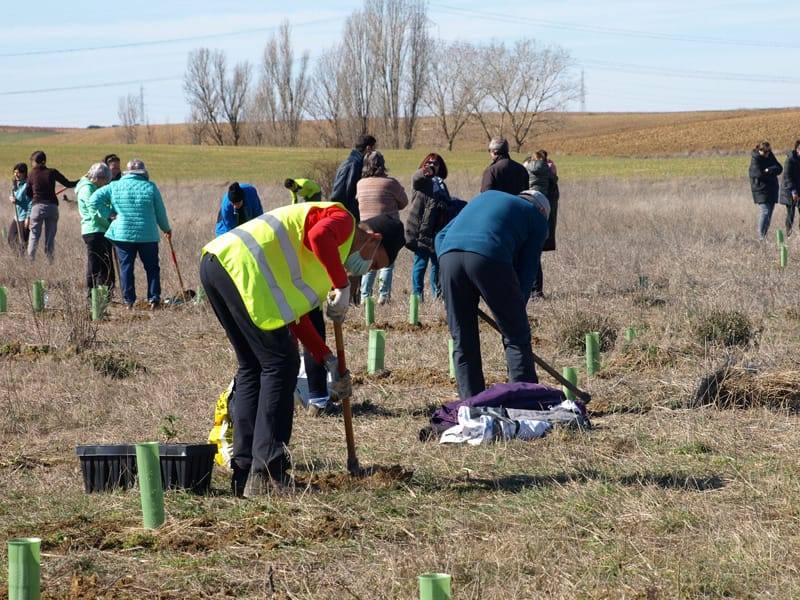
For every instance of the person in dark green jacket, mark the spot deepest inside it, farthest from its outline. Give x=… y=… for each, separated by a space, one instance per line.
x=99 y=259
x=139 y=213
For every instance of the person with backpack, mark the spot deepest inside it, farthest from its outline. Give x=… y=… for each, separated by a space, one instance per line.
x=790 y=193
x=430 y=211
x=763 y=172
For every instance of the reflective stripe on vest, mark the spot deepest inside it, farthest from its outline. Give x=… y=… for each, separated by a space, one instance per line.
x=261 y=260
x=278 y=278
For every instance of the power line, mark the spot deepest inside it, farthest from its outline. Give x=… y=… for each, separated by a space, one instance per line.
x=90 y=86
x=614 y=31
x=686 y=73
x=194 y=38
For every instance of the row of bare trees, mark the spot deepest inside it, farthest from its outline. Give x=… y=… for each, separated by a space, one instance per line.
x=383 y=76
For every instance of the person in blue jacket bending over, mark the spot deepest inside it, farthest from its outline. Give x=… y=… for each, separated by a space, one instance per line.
x=491 y=251
x=239 y=204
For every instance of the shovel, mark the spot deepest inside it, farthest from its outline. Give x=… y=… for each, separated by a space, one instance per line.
x=347 y=410
x=186 y=295
x=585 y=397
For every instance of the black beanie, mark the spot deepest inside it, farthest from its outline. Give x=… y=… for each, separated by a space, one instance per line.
x=393 y=235
x=235 y=192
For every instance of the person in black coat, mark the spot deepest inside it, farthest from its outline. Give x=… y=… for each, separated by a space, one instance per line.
x=543 y=177
x=503 y=174
x=344 y=191
x=430 y=212
x=764 y=171
x=791 y=185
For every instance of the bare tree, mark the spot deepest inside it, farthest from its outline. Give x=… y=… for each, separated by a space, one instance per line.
x=453 y=91
x=232 y=92
x=203 y=93
x=399 y=39
x=196 y=128
x=282 y=97
x=328 y=102
x=524 y=86
x=420 y=45
x=129 y=113
x=357 y=75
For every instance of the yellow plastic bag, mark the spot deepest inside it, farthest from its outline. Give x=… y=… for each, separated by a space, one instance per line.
x=221 y=433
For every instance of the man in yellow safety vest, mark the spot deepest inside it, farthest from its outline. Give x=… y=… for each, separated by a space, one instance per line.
x=303 y=190
x=262 y=279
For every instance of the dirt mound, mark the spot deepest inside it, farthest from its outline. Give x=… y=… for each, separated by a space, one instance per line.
x=746 y=387
x=401 y=326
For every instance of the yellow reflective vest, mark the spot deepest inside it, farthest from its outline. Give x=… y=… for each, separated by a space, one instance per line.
x=278 y=278
x=308 y=189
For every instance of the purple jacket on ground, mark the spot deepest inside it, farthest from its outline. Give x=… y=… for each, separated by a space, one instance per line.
x=525 y=396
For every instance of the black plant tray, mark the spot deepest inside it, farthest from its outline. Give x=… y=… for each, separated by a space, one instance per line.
x=108 y=467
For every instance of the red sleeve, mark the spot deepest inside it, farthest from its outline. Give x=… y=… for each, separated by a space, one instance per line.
x=307 y=335
x=326 y=230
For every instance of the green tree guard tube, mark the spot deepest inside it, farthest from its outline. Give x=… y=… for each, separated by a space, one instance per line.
x=369 y=310
x=779 y=235
x=23 y=569
x=450 y=350
x=630 y=334
x=434 y=586
x=592 y=353
x=3 y=299
x=38 y=295
x=375 y=350
x=97 y=304
x=413 y=310
x=150 y=488
x=644 y=282
x=571 y=375
x=784 y=255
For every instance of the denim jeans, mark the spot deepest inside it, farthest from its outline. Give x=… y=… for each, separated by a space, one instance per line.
x=421 y=258
x=148 y=254
x=764 y=218
x=368 y=281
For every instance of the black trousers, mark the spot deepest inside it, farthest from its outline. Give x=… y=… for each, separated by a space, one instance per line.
x=265 y=381
x=99 y=261
x=316 y=373
x=467 y=277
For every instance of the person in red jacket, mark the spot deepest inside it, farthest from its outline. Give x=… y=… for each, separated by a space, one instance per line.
x=263 y=279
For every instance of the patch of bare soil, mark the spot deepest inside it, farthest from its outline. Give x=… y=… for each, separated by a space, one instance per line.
x=373 y=477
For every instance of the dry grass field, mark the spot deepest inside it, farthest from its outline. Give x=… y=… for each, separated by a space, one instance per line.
x=667 y=497
x=586 y=134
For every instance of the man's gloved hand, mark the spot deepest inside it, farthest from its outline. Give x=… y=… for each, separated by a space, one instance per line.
x=338 y=302
x=341 y=385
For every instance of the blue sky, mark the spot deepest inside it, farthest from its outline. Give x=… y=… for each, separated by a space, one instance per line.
x=636 y=55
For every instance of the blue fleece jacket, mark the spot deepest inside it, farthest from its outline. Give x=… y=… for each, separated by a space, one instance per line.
x=138 y=206
x=228 y=216
x=501 y=227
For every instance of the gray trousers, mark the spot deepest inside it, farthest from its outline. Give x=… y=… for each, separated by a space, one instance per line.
x=465 y=278
x=44 y=218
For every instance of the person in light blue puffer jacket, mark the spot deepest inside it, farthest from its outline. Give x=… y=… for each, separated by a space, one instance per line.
x=138 y=213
